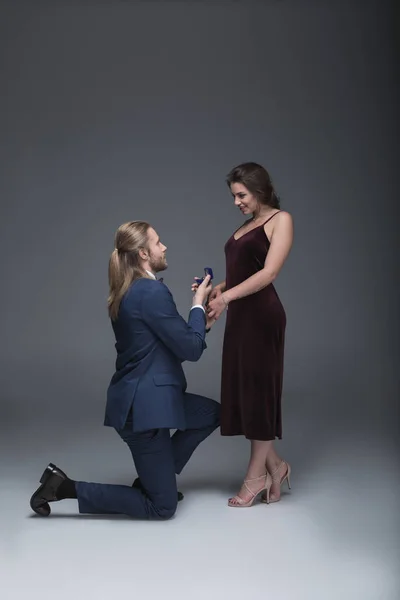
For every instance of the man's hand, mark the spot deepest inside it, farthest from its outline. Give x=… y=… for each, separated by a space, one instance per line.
x=209 y=322
x=202 y=291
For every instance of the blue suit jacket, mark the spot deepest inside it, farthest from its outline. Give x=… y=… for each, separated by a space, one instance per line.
x=152 y=340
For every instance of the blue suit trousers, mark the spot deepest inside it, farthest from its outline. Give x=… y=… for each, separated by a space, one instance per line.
x=158 y=457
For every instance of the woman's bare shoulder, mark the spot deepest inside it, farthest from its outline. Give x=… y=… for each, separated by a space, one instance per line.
x=282 y=219
x=284 y=214
x=282 y=223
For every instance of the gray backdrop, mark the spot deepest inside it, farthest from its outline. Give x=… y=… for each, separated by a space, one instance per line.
x=112 y=111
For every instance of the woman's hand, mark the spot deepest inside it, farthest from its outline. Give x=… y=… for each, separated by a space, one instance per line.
x=216 y=307
x=217 y=291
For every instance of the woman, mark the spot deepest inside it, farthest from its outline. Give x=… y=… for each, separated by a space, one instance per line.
x=252 y=363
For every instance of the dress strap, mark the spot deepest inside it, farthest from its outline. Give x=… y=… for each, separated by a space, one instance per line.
x=271 y=217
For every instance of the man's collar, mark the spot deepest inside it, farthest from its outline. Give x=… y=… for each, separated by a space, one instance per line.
x=151 y=274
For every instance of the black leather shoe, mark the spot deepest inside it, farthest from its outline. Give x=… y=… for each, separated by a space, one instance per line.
x=51 y=479
x=138 y=484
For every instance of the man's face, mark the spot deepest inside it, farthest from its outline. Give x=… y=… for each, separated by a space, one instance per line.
x=156 y=250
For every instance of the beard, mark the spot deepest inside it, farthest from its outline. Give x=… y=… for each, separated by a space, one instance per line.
x=157 y=264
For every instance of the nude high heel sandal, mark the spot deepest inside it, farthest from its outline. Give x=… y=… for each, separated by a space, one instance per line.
x=276 y=479
x=240 y=503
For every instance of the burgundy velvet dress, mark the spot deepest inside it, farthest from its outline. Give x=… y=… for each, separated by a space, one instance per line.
x=253 y=348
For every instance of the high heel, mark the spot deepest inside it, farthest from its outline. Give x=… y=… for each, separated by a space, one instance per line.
x=240 y=503
x=276 y=479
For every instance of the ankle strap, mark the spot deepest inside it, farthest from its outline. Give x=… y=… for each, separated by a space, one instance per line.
x=277 y=469
x=256 y=478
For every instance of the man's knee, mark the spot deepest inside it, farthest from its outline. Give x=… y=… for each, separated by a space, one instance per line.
x=217 y=413
x=166 y=510
x=213 y=419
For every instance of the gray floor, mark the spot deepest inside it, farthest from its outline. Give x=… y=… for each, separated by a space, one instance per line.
x=333 y=536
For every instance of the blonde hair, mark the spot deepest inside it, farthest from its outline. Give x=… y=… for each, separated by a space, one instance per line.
x=124 y=265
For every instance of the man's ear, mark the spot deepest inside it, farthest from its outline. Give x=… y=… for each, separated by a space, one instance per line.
x=143 y=253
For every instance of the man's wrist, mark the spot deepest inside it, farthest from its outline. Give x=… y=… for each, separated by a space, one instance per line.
x=198 y=306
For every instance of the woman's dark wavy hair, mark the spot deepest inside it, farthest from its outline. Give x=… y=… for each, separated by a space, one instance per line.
x=257 y=180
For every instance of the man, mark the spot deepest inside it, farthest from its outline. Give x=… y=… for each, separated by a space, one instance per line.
x=147 y=394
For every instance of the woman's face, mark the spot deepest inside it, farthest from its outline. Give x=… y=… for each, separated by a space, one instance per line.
x=244 y=199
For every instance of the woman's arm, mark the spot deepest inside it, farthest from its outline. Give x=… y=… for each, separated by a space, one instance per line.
x=281 y=243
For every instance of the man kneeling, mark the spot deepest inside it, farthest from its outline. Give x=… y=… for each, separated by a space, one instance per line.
x=147 y=394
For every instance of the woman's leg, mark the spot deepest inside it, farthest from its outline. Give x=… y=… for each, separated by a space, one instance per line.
x=255 y=471
x=277 y=468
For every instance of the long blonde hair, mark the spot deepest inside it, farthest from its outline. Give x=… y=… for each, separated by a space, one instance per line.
x=124 y=265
